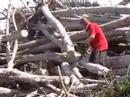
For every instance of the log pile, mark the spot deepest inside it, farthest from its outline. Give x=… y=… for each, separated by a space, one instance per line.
x=43 y=53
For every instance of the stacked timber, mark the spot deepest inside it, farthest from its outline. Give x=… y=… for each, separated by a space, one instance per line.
x=43 y=53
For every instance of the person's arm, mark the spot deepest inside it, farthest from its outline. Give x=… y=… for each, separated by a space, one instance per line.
x=89 y=39
x=92 y=34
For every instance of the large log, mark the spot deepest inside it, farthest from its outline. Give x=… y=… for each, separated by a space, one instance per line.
x=16 y=35
x=118 y=61
x=119 y=35
x=124 y=2
x=33 y=43
x=14 y=75
x=46 y=56
x=43 y=48
x=124 y=21
x=67 y=43
x=94 y=68
x=72 y=24
x=96 y=10
x=6 y=92
x=109 y=26
x=50 y=36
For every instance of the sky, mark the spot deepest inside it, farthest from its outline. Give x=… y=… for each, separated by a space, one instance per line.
x=17 y=3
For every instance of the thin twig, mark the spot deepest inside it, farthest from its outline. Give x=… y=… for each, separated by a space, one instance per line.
x=11 y=63
x=61 y=79
x=7 y=32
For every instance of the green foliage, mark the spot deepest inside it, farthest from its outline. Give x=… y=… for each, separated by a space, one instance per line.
x=123 y=88
x=118 y=89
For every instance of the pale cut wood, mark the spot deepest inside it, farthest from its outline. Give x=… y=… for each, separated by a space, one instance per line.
x=77 y=72
x=94 y=68
x=68 y=70
x=11 y=61
x=19 y=76
x=14 y=75
x=85 y=88
x=6 y=92
x=57 y=90
x=15 y=35
x=68 y=45
x=93 y=80
x=51 y=95
x=32 y=94
x=41 y=26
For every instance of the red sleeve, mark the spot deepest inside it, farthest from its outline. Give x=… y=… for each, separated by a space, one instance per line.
x=92 y=29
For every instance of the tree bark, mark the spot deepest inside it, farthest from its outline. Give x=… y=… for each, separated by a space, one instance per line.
x=68 y=46
x=81 y=10
x=94 y=68
x=118 y=61
x=33 y=43
x=124 y=2
x=6 y=92
x=120 y=72
x=125 y=21
x=16 y=35
x=73 y=24
x=51 y=37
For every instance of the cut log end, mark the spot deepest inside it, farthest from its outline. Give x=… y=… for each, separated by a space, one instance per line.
x=24 y=33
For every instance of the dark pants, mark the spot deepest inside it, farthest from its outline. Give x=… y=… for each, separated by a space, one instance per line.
x=98 y=57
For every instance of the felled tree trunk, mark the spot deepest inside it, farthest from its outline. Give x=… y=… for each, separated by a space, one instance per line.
x=73 y=24
x=16 y=35
x=125 y=21
x=14 y=75
x=124 y=2
x=118 y=62
x=94 y=68
x=5 y=92
x=96 y=10
x=33 y=43
x=67 y=44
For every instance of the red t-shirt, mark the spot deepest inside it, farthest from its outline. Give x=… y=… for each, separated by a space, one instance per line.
x=99 y=43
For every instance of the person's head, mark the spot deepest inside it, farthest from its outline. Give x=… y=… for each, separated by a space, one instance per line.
x=84 y=20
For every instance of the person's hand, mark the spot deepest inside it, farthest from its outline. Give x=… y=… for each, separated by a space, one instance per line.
x=86 y=45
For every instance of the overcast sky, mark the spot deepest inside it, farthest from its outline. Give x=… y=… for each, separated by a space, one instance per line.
x=16 y=3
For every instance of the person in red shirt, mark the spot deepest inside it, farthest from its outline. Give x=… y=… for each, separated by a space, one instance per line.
x=96 y=40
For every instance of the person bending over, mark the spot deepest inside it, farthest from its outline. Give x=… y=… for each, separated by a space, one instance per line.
x=96 y=40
